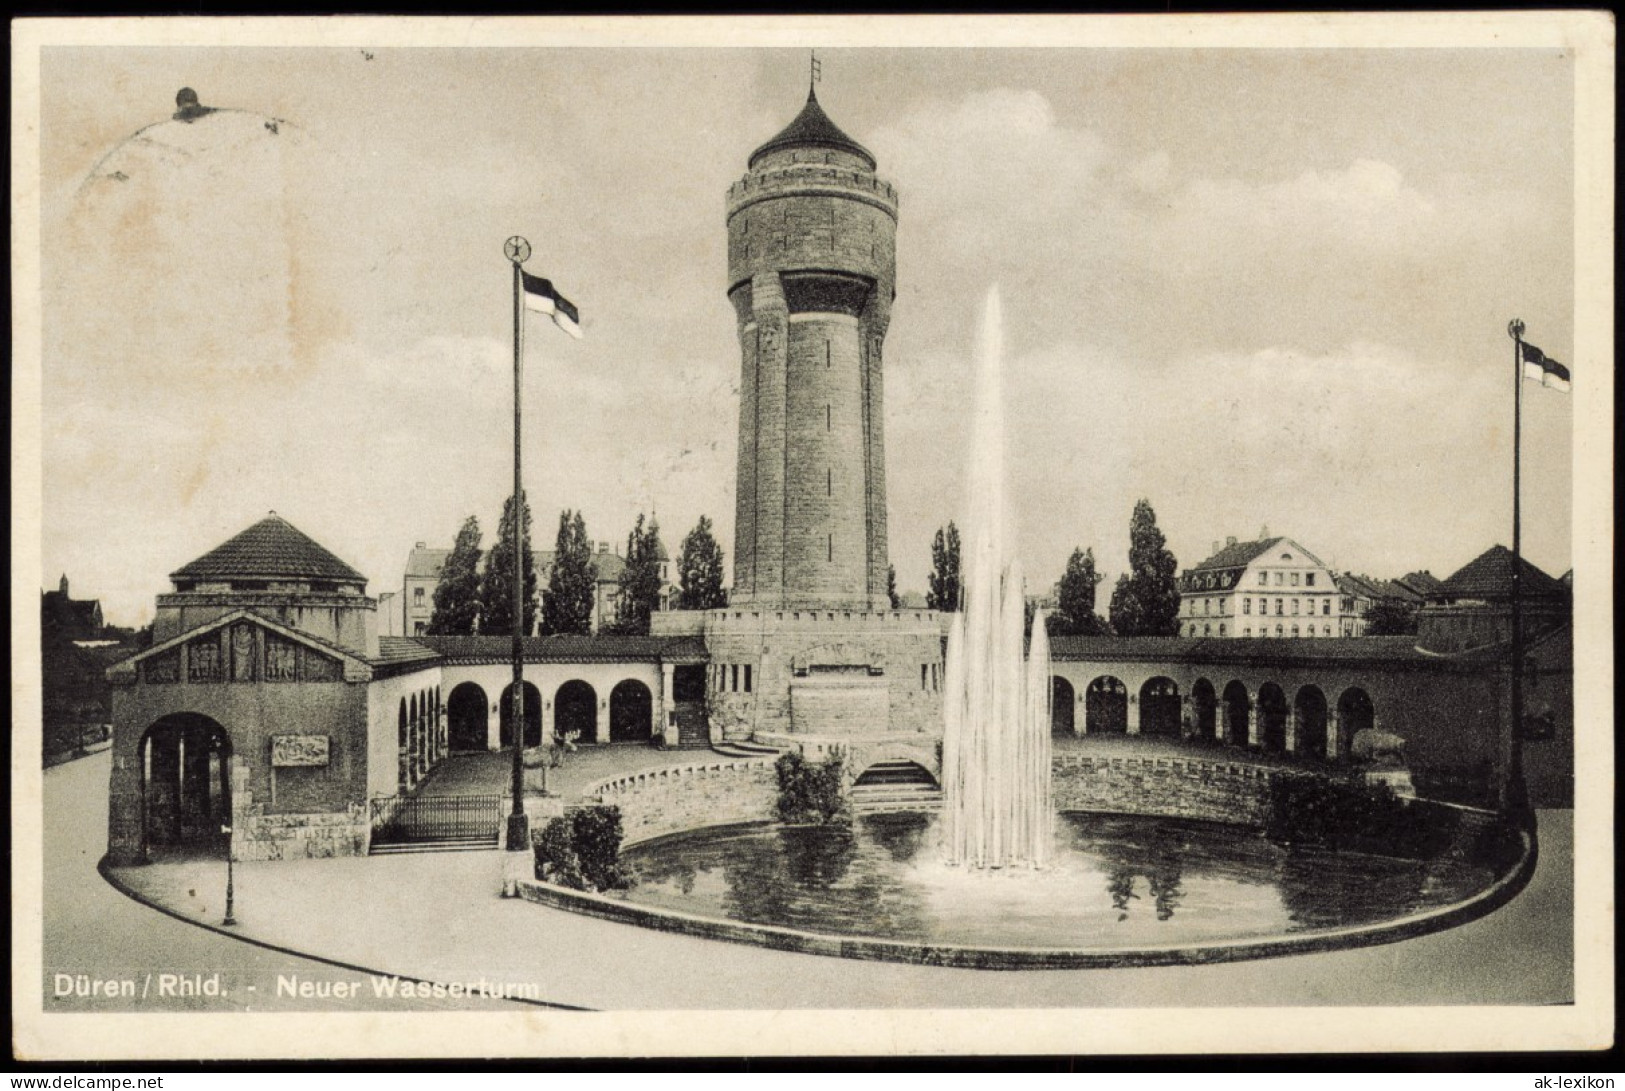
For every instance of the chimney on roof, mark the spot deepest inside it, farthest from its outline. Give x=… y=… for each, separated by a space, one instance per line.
x=63 y=585
x=1215 y=547
x=1263 y=532
x=420 y=545
x=1230 y=541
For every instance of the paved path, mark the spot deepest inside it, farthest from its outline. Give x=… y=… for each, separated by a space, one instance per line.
x=439 y=916
x=90 y=928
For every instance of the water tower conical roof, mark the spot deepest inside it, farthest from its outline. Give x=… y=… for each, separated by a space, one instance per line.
x=813 y=128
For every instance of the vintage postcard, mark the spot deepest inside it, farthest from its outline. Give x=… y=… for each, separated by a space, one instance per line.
x=661 y=537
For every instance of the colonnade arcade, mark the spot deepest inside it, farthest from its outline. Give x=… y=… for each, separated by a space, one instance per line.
x=422 y=740
x=588 y=707
x=1272 y=716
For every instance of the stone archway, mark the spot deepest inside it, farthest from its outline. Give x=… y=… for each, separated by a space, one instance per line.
x=185 y=764
x=1105 y=707
x=575 y=708
x=1355 y=713
x=1237 y=706
x=469 y=712
x=1272 y=713
x=1063 y=701
x=1204 y=702
x=1309 y=705
x=1160 y=708
x=631 y=712
x=533 y=716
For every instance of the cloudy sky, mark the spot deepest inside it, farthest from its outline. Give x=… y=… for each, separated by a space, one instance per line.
x=1258 y=287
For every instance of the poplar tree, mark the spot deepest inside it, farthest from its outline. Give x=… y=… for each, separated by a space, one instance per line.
x=573 y=582
x=1149 y=590
x=496 y=584
x=891 y=587
x=1075 y=598
x=640 y=579
x=699 y=570
x=943 y=590
x=457 y=595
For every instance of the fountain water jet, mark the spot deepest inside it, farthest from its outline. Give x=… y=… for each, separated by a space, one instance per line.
x=996 y=707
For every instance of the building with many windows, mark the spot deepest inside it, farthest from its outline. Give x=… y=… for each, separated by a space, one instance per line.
x=1269 y=587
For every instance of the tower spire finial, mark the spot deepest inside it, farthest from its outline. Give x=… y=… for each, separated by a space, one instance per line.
x=814 y=75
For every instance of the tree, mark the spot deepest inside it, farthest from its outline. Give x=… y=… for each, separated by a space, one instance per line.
x=1075 y=598
x=699 y=565
x=943 y=591
x=640 y=579
x=572 y=584
x=1127 y=619
x=891 y=587
x=1390 y=618
x=496 y=585
x=457 y=595
x=1148 y=595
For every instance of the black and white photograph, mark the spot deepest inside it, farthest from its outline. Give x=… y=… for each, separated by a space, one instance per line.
x=625 y=537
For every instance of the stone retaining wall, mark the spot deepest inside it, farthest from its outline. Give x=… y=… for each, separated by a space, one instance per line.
x=1173 y=787
x=658 y=802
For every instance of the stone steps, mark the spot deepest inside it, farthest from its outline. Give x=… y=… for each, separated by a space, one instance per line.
x=453 y=844
x=875 y=799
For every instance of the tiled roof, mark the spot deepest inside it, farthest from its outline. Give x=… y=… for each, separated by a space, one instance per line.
x=1422 y=583
x=598 y=648
x=812 y=127
x=427 y=563
x=1239 y=555
x=1351 y=583
x=271 y=548
x=1235 y=649
x=394 y=650
x=1489 y=577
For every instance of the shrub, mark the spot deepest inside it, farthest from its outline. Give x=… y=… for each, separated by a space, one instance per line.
x=556 y=860
x=1356 y=817
x=810 y=793
x=596 y=838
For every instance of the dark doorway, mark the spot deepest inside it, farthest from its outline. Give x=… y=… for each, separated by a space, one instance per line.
x=470 y=717
x=575 y=708
x=631 y=712
x=186 y=783
x=1105 y=707
x=1062 y=701
x=533 y=716
x=1355 y=713
x=1310 y=705
x=1207 y=708
x=1159 y=708
x=1272 y=717
x=1236 y=707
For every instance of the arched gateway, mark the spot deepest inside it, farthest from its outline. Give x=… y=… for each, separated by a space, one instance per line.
x=185 y=761
x=469 y=713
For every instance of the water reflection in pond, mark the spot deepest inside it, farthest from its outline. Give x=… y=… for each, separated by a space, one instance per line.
x=1115 y=881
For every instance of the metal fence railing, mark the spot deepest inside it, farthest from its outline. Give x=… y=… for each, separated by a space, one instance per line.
x=420 y=819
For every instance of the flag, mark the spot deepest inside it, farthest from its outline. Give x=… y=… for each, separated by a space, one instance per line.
x=540 y=295
x=1537 y=365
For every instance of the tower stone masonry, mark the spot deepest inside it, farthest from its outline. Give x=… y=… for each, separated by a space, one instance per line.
x=811 y=275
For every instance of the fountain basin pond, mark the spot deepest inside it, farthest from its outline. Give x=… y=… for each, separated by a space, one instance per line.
x=1115 y=883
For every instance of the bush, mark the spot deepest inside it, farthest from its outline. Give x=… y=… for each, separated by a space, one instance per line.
x=556 y=860
x=596 y=837
x=810 y=793
x=1356 y=817
x=582 y=851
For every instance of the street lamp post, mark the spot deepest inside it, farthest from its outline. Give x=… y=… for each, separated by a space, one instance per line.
x=231 y=892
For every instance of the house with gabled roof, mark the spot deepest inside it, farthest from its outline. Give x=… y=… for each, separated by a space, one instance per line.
x=1271 y=586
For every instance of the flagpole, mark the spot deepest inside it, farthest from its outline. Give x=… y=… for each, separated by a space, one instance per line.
x=1515 y=797
x=517 y=250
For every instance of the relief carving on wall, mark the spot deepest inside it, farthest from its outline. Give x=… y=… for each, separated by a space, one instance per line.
x=281 y=659
x=319 y=668
x=164 y=668
x=242 y=652
x=299 y=750
x=203 y=659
